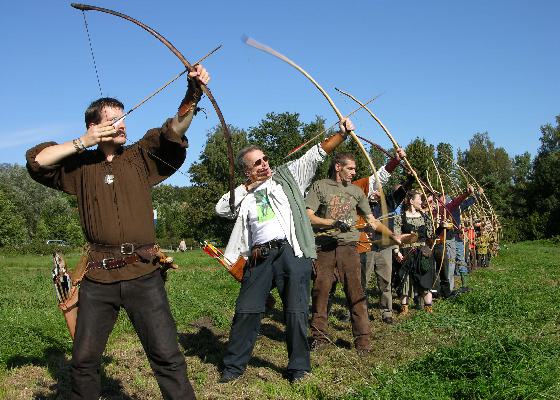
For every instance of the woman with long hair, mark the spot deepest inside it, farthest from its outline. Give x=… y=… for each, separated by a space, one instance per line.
x=415 y=260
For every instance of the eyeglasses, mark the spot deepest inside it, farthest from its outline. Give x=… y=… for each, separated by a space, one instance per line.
x=260 y=161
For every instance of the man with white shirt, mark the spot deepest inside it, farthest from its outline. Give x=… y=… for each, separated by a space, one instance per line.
x=273 y=232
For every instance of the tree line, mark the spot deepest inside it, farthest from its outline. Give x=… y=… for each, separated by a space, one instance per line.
x=524 y=191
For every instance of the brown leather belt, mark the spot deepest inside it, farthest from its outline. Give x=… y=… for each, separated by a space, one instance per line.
x=129 y=250
x=112 y=263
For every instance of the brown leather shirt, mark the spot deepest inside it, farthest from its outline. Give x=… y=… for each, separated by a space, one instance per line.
x=114 y=198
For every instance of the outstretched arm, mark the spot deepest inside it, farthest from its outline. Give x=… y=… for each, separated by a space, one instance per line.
x=188 y=107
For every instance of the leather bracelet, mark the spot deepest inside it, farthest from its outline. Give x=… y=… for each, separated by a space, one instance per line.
x=79 y=145
x=82 y=145
x=192 y=97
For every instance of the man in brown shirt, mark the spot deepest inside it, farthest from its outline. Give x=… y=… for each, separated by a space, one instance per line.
x=332 y=203
x=112 y=185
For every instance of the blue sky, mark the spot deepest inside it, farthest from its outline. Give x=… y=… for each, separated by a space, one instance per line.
x=447 y=69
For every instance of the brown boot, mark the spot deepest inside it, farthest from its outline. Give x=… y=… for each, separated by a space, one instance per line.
x=428 y=308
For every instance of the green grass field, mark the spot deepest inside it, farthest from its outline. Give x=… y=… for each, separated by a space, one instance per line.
x=500 y=341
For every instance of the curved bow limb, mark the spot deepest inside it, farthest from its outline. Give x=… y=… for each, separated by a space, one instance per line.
x=205 y=89
x=442 y=220
x=393 y=141
x=299 y=147
x=493 y=213
x=253 y=43
x=463 y=171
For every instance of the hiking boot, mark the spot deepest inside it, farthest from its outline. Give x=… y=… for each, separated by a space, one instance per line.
x=428 y=308
x=387 y=320
x=299 y=376
x=228 y=377
x=454 y=294
x=404 y=309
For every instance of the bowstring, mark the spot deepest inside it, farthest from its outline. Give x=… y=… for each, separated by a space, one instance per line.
x=101 y=92
x=92 y=54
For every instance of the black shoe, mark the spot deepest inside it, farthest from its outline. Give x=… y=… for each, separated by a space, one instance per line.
x=228 y=377
x=388 y=320
x=454 y=294
x=465 y=289
x=298 y=376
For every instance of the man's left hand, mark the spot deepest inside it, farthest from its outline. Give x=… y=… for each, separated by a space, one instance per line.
x=199 y=74
x=346 y=126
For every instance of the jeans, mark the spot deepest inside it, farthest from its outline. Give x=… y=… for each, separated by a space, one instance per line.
x=145 y=302
x=449 y=263
x=460 y=262
x=291 y=275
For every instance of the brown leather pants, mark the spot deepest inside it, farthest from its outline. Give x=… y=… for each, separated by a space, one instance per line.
x=341 y=264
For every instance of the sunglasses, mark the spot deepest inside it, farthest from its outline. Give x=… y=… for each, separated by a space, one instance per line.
x=260 y=161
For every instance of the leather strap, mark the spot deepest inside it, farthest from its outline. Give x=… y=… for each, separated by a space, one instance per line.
x=112 y=263
x=273 y=244
x=417 y=244
x=123 y=248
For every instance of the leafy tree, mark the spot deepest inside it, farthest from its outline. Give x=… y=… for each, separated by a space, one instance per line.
x=444 y=162
x=210 y=177
x=521 y=169
x=12 y=229
x=27 y=195
x=420 y=154
x=212 y=169
x=277 y=134
x=545 y=188
x=492 y=169
x=60 y=221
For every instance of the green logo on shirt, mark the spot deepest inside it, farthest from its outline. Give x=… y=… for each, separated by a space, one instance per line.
x=264 y=210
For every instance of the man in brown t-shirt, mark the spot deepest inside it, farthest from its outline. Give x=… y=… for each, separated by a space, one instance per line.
x=331 y=203
x=112 y=185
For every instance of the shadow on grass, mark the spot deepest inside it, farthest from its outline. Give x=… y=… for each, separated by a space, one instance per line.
x=209 y=345
x=54 y=360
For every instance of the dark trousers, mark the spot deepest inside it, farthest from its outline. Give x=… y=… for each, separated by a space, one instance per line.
x=441 y=267
x=342 y=264
x=145 y=302
x=291 y=275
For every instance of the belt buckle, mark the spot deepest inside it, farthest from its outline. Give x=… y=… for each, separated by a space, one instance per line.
x=105 y=261
x=127 y=248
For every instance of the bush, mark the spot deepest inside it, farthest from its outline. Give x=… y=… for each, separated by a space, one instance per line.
x=38 y=248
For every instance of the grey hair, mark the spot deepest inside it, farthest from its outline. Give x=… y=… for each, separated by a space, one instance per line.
x=239 y=160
